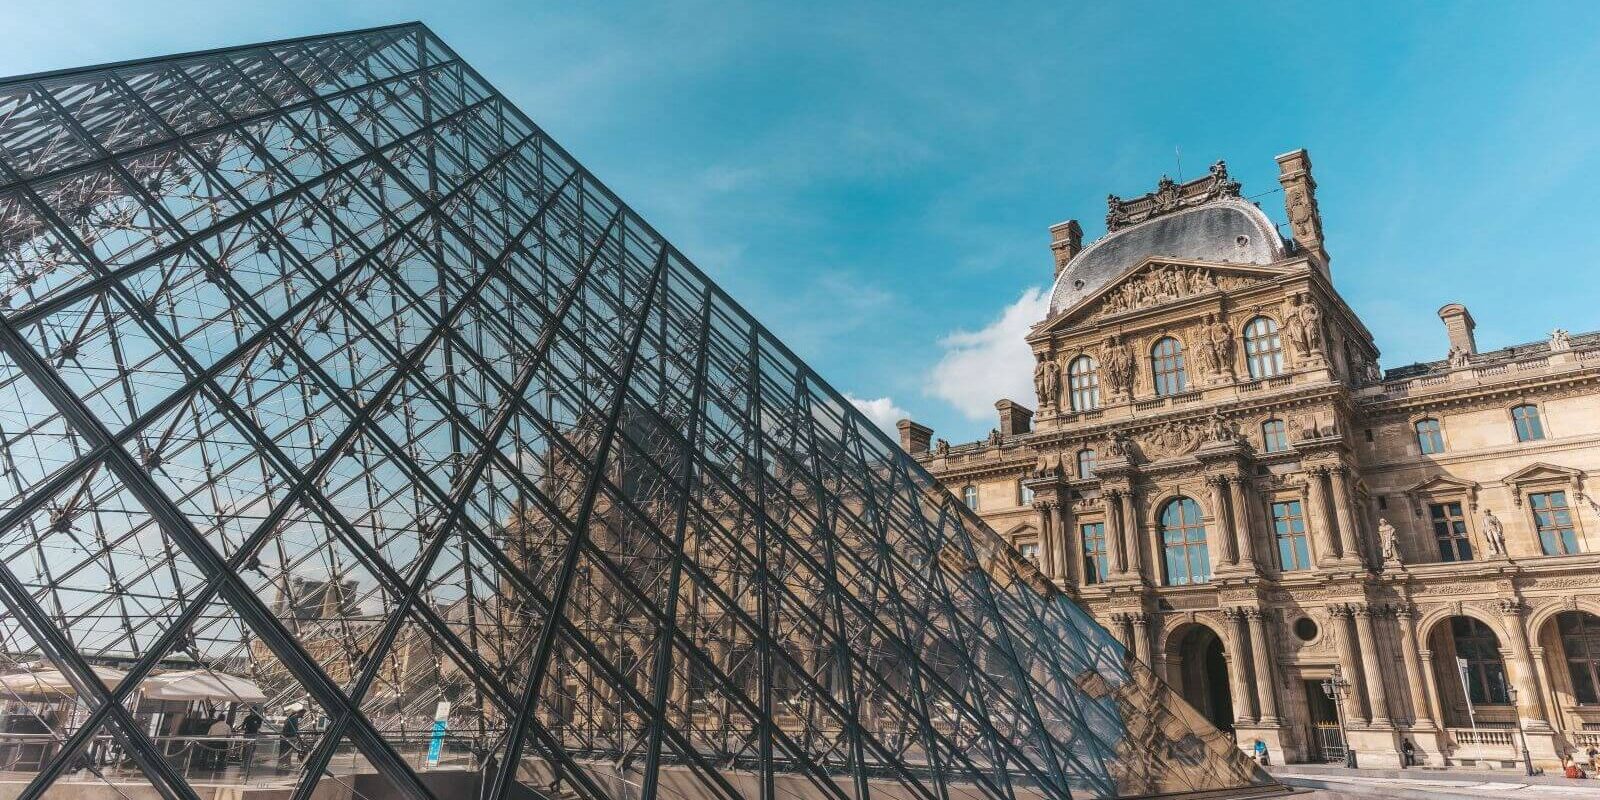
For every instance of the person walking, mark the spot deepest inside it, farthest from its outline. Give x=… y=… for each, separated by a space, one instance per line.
x=289 y=739
x=250 y=728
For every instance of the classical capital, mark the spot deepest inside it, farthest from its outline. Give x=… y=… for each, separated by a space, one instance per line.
x=1364 y=610
x=1255 y=613
x=1405 y=611
x=1232 y=612
x=1339 y=610
x=1511 y=607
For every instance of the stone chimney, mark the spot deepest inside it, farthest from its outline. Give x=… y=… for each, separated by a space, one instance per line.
x=1066 y=241
x=1458 y=326
x=1014 y=419
x=1300 y=201
x=914 y=438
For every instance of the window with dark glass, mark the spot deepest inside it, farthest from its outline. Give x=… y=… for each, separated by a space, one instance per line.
x=1580 y=639
x=1029 y=550
x=1263 y=348
x=1553 y=520
x=1289 y=525
x=1480 y=649
x=1450 y=532
x=1086 y=463
x=1166 y=367
x=969 y=495
x=1526 y=420
x=1274 y=436
x=1183 y=540
x=1430 y=436
x=1095 y=566
x=1024 y=494
x=1083 y=384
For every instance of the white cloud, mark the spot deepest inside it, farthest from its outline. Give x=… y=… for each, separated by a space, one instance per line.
x=982 y=366
x=882 y=411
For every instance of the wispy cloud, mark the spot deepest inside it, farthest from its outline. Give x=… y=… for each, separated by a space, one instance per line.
x=882 y=411
x=979 y=367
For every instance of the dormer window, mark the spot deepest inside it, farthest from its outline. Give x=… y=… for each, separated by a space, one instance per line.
x=1263 y=348
x=1083 y=384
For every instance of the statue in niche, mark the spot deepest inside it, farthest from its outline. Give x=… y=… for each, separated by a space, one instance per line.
x=1304 y=322
x=1047 y=381
x=1221 y=431
x=1118 y=446
x=1494 y=533
x=1216 y=342
x=1386 y=535
x=1116 y=361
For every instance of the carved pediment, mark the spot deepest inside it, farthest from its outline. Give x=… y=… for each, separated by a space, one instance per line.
x=1156 y=282
x=1441 y=486
x=1538 y=476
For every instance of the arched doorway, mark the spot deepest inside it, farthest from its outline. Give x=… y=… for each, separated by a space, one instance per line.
x=1571 y=642
x=1197 y=656
x=1469 y=673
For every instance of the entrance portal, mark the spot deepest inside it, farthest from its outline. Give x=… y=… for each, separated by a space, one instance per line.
x=1326 y=737
x=1204 y=674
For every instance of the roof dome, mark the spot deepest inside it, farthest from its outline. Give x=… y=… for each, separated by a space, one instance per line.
x=1229 y=231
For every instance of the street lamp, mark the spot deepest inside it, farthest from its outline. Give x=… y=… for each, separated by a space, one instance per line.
x=1516 y=712
x=1335 y=688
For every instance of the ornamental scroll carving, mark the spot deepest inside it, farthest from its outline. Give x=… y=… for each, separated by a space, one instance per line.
x=1174 y=439
x=1162 y=284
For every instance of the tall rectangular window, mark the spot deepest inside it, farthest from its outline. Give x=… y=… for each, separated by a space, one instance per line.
x=1029 y=550
x=1526 y=420
x=1274 y=436
x=1553 y=520
x=1430 y=436
x=1024 y=494
x=1450 y=532
x=1095 y=566
x=969 y=496
x=1289 y=524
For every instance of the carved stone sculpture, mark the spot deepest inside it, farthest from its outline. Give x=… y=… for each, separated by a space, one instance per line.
x=1163 y=283
x=1386 y=535
x=1047 y=381
x=1458 y=357
x=1217 y=345
x=1220 y=430
x=942 y=448
x=1221 y=184
x=1116 y=213
x=1118 y=446
x=1560 y=340
x=1494 y=533
x=1116 y=363
x=1304 y=322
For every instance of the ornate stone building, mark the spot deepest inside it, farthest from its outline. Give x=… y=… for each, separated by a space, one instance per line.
x=1220 y=472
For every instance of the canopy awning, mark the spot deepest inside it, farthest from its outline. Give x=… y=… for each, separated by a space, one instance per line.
x=200 y=684
x=51 y=683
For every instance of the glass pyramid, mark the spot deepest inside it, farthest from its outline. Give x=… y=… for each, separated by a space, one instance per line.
x=356 y=440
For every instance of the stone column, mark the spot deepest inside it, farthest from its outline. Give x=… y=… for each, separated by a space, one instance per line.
x=1244 y=696
x=1317 y=516
x=1432 y=684
x=1237 y=494
x=1047 y=543
x=1349 y=546
x=1130 y=530
x=1530 y=698
x=1372 y=667
x=1114 y=537
x=1357 y=707
x=1141 y=635
x=1224 y=555
x=1266 y=676
x=1417 y=679
x=1069 y=562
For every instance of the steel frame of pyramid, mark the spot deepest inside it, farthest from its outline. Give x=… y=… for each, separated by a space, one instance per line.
x=323 y=366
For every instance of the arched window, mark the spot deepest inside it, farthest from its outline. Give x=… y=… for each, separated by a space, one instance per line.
x=1263 y=348
x=1274 y=436
x=1083 y=384
x=969 y=496
x=1526 y=419
x=1086 y=463
x=1580 y=641
x=1430 y=436
x=1183 y=540
x=1166 y=367
x=1480 y=649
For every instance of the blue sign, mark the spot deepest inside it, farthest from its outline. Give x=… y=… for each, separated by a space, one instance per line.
x=436 y=743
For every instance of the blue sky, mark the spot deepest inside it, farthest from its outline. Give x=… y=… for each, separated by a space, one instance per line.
x=876 y=184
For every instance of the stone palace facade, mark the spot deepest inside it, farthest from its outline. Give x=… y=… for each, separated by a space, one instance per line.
x=1216 y=467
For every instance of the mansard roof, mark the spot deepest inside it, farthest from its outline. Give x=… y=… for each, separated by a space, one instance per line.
x=1224 y=230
